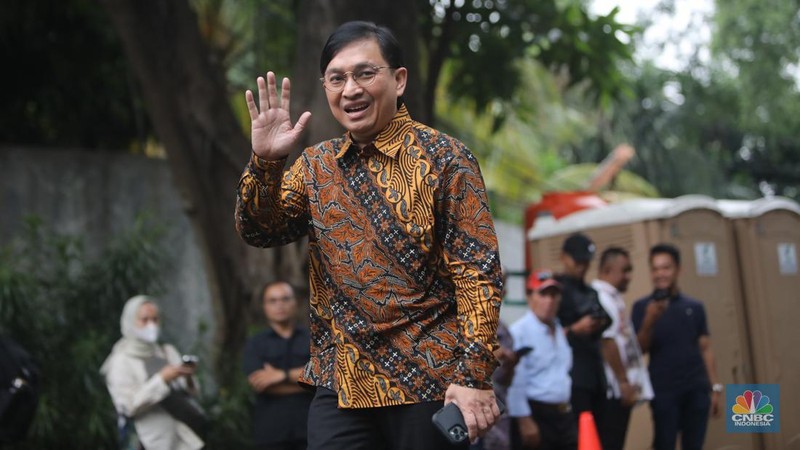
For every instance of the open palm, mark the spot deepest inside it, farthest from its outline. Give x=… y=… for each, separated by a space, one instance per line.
x=272 y=134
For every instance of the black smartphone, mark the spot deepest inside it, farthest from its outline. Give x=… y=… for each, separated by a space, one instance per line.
x=522 y=351
x=190 y=360
x=450 y=422
x=660 y=294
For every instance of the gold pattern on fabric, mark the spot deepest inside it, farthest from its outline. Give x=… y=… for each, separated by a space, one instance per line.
x=404 y=270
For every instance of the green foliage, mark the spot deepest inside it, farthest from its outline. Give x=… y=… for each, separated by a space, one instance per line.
x=66 y=80
x=522 y=158
x=249 y=37
x=64 y=308
x=230 y=409
x=759 y=42
x=679 y=130
x=576 y=176
x=486 y=39
x=726 y=127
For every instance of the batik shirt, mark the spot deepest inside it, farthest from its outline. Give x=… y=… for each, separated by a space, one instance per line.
x=404 y=268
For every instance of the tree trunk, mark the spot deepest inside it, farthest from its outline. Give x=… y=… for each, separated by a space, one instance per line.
x=320 y=19
x=188 y=103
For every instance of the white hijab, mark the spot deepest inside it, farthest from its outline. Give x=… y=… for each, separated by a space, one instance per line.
x=129 y=343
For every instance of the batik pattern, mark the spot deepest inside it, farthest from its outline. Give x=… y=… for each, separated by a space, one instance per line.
x=404 y=269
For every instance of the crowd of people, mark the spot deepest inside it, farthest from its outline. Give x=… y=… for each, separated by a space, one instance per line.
x=575 y=349
x=406 y=287
x=588 y=354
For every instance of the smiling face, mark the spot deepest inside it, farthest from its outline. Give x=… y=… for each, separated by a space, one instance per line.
x=365 y=111
x=664 y=271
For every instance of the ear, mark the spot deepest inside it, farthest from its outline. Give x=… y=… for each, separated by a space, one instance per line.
x=400 y=79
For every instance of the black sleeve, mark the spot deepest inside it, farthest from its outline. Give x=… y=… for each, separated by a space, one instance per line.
x=567 y=314
x=251 y=357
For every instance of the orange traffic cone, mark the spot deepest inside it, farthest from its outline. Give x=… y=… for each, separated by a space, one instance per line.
x=587 y=433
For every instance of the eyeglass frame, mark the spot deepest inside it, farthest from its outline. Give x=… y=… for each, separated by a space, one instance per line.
x=353 y=76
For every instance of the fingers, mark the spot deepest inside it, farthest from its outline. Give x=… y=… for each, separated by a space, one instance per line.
x=263 y=100
x=272 y=91
x=268 y=95
x=286 y=88
x=471 y=420
x=251 y=105
x=480 y=420
x=302 y=122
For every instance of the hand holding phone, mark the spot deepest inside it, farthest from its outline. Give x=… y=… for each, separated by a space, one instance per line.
x=450 y=422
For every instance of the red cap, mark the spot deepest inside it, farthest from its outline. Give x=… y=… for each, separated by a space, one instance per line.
x=541 y=280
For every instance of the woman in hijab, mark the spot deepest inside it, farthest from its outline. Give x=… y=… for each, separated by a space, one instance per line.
x=141 y=373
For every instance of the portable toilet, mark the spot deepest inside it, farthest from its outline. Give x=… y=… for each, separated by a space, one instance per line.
x=768 y=238
x=709 y=272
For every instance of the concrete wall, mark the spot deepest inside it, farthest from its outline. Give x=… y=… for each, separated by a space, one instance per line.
x=97 y=195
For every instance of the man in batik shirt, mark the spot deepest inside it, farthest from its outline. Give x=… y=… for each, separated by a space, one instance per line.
x=404 y=267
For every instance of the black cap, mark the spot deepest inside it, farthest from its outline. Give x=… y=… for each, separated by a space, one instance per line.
x=579 y=247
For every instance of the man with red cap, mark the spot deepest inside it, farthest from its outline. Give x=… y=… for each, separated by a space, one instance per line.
x=539 y=395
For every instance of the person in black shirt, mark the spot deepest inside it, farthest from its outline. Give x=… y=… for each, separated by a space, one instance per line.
x=273 y=361
x=673 y=329
x=583 y=319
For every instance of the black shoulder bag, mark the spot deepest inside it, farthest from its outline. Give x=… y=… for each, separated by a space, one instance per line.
x=179 y=403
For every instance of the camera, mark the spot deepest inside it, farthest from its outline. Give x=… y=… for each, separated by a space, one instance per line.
x=190 y=360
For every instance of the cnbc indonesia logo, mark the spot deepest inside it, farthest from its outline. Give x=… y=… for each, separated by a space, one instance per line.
x=752 y=409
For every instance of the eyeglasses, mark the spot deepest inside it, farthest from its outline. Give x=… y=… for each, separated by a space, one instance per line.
x=335 y=82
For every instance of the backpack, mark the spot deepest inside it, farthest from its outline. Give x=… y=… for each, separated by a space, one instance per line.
x=19 y=390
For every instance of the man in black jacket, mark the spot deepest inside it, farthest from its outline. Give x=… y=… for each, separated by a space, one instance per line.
x=584 y=320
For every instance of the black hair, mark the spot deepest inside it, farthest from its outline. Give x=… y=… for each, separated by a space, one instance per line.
x=611 y=253
x=271 y=284
x=358 y=30
x=667 y=249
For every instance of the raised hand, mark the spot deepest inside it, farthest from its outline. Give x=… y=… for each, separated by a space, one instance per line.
x=272 y=134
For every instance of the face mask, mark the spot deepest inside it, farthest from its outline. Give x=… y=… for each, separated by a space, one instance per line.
x=148 y=333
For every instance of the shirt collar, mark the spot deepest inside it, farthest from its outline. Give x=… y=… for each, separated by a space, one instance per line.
x=390 y=140
x=538 y=322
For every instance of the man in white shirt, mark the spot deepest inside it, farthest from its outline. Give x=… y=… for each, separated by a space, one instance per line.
x=628 y=381
x=539 y=395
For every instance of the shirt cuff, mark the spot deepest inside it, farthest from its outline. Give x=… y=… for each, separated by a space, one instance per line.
x=263 y=166
x=475 y=368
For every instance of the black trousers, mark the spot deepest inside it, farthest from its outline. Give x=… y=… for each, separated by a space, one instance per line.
x=403 y=427
x=615 y=424
x=593 y=400
x=680 y=412
x=558 y=429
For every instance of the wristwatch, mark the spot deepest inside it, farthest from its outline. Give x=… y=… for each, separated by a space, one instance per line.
x=717 y=387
